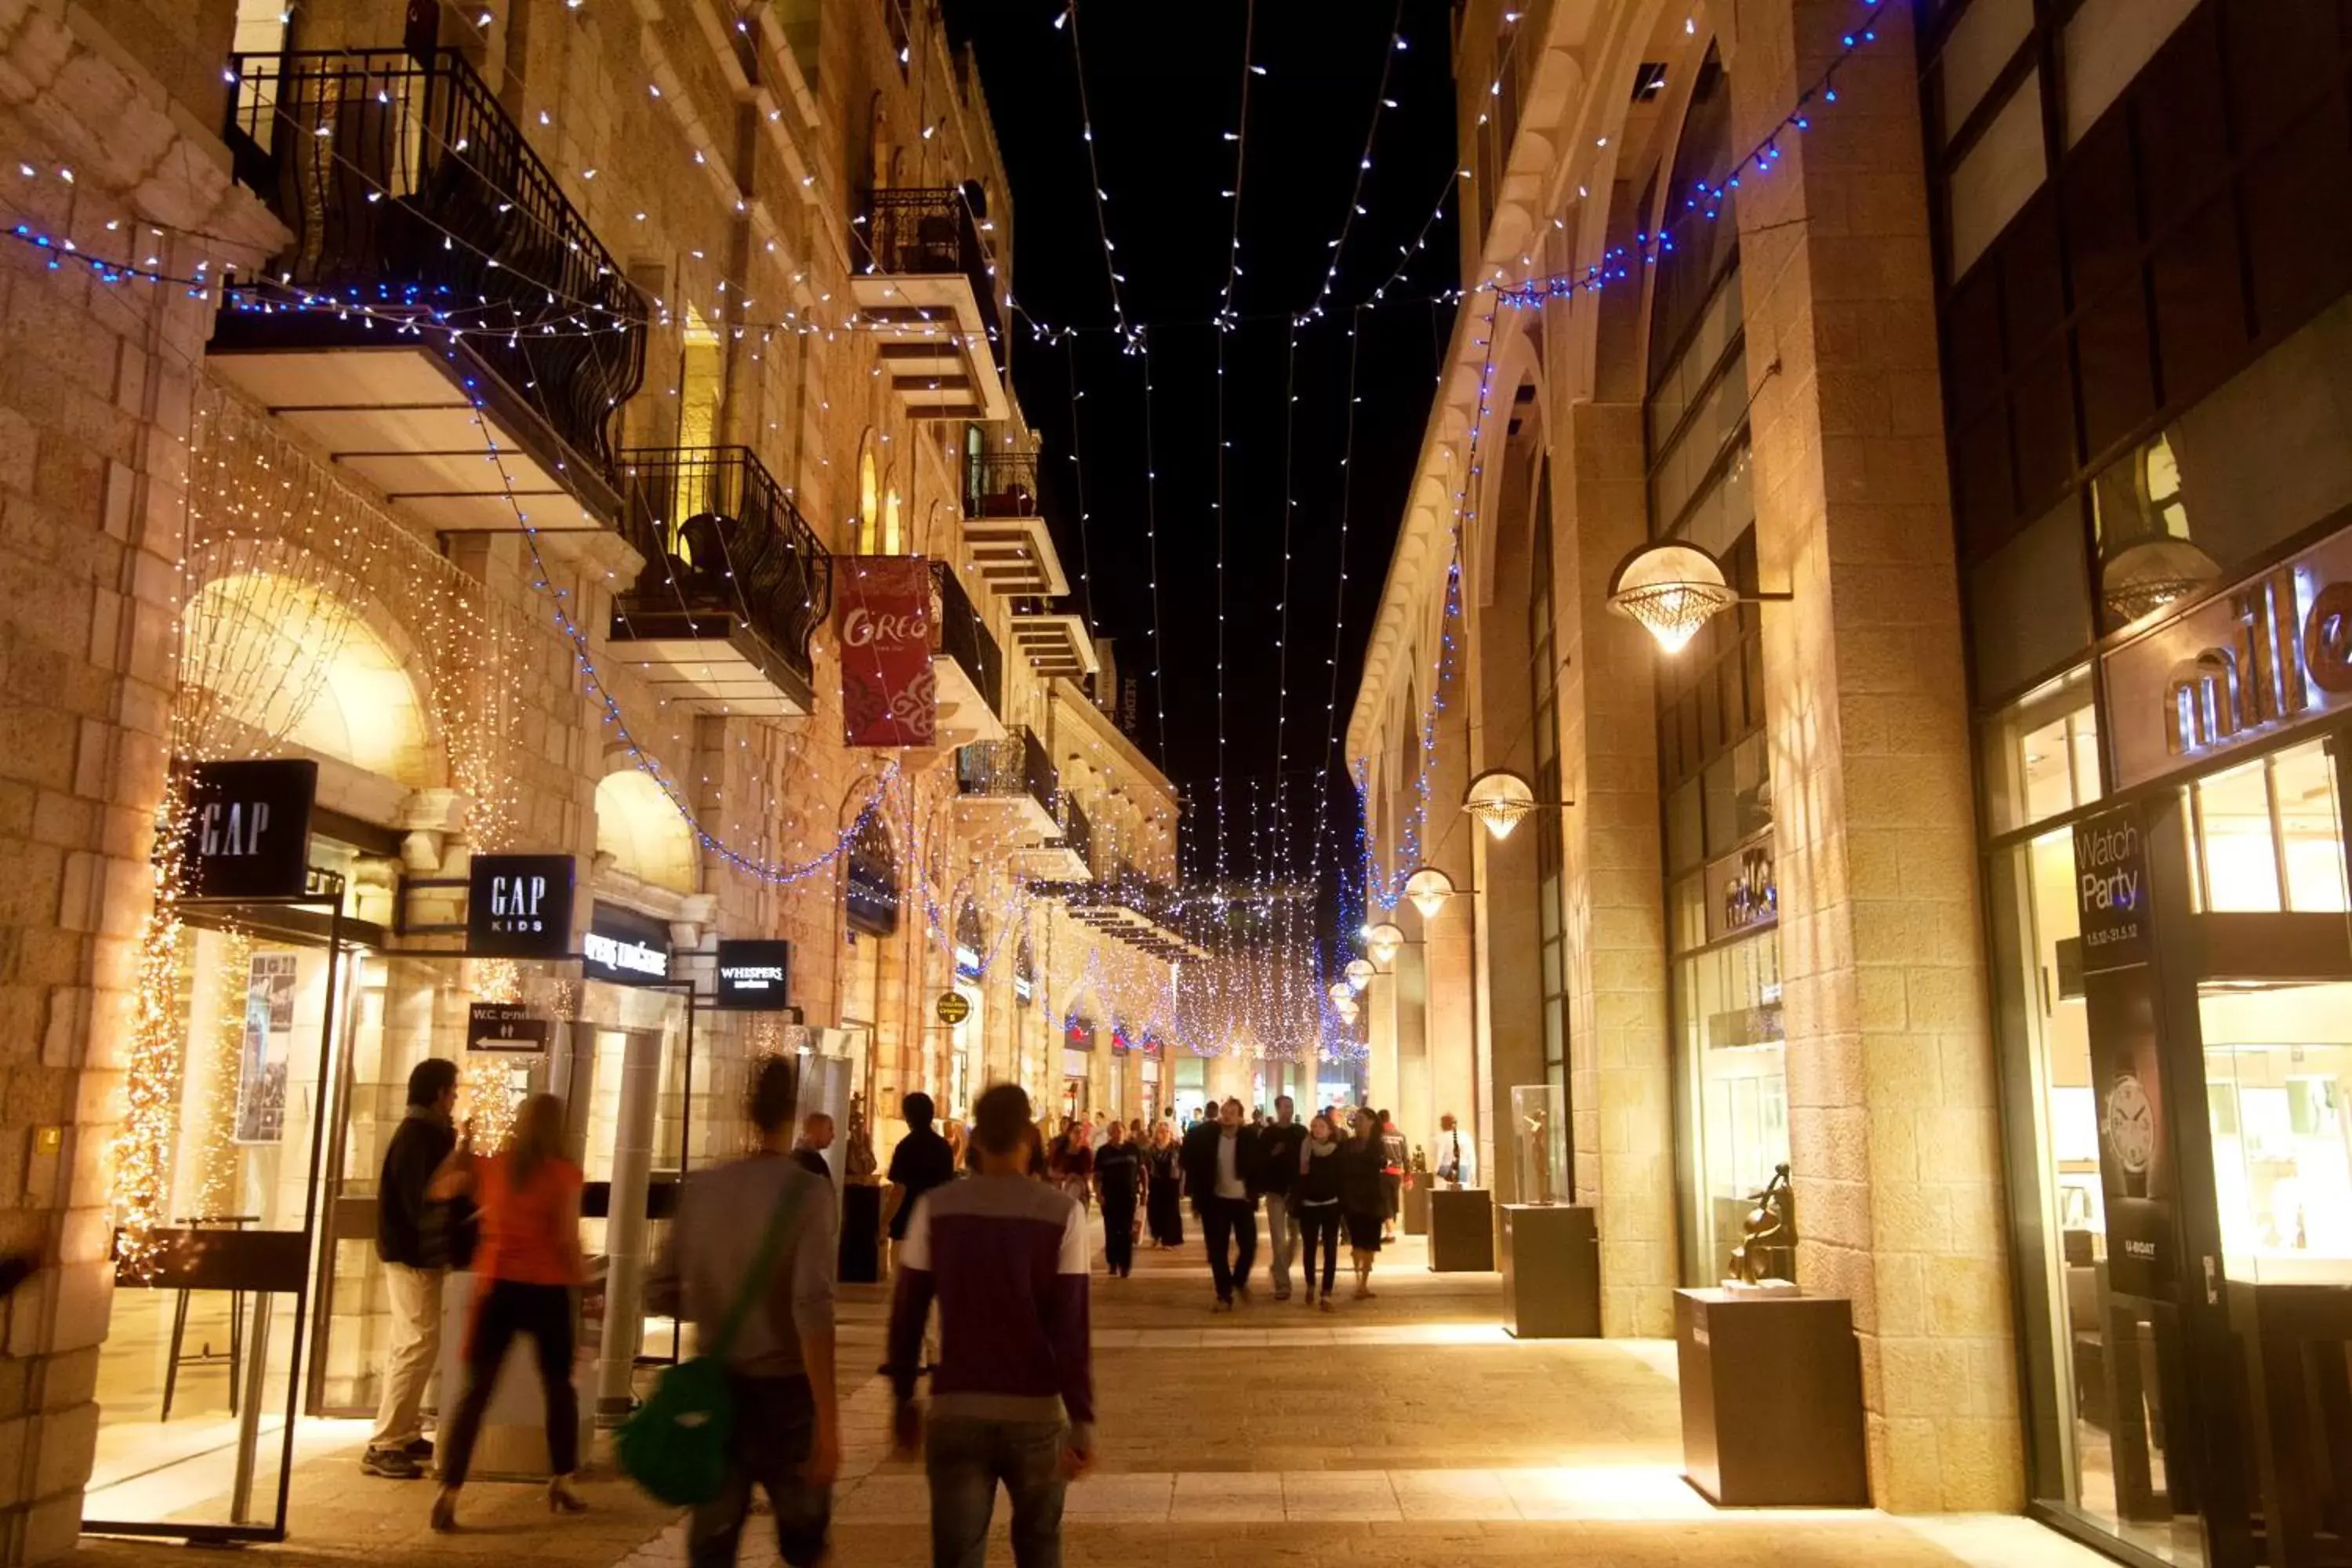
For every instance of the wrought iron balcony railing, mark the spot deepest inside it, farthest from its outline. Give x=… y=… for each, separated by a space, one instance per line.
x=410 y=193
x=960 y=633
x=1001 y=484
x=928 y=232
x=1077 y=833
x=719 y=534
x=1016 y=765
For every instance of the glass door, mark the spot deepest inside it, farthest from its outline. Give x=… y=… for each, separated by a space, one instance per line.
x=203 y=1366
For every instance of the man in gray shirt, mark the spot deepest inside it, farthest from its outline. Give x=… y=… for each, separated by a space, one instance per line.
x=787 y=1432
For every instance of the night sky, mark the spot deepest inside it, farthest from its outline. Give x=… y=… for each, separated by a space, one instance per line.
x=1164 y=86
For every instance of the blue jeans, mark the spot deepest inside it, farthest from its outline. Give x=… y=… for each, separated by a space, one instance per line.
x=965 y=1459
x=775 y=1424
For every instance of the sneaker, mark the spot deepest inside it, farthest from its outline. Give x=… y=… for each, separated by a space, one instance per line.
x=1327 y=1305
x=1223 y=1305
x=420 y=1449
x=1281 y=1294
x=1310 y=1295
x=1241 y=1294
x=392 y=1463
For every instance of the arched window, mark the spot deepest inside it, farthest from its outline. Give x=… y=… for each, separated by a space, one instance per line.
x=870 y=499
x=873 y=899
x=640 y=828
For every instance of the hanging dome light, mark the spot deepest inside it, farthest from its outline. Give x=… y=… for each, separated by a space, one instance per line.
x=1340 y=991
x=1499 y=798
x=1346 y=1008
x=1383 y=942
x=1673 y=590
x=1429 y=887
x=2150 y=574
x=1359 y=973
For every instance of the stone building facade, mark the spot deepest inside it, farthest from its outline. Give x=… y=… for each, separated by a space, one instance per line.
x=1984 y=350
x=470 y=559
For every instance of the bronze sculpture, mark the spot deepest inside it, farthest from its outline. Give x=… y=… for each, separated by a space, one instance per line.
x=1771 y=1228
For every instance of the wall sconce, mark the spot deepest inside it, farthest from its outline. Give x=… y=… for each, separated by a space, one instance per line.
x=1672 y=589
x=1342 y=992
x=1346 y=1008
x=1500 y=799
x=1429 y=887
x=1358 y=973
x=1383 y=942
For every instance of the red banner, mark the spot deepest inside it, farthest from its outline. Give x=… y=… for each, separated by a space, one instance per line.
x=888 y=695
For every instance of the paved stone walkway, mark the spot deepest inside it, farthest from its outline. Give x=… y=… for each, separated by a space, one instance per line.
x=1407 y=1430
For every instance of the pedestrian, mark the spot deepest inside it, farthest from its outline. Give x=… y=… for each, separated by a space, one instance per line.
x=1278 y=1145
x=1318 y=1203
x=1363 y=1206
x=1393 y=1155
x=1119 y=1178
x=1041 y=1165
x=1012 y=1391
x=816 y=1137
x=1100 y=1134
x=786 y=1435
x=921 y=1161
x=525 y=1277
x=418 y=1241
x=1221 y=1172
x=1072 y=1159
x=1164 y=1203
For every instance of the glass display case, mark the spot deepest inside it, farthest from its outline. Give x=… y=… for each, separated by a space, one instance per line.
x=1539 y=1142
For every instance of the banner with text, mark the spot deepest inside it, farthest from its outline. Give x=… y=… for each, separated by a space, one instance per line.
x=887 y=692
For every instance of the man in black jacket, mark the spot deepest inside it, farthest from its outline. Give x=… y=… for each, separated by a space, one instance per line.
x=1278 y=1144
x=414 y=1242
x=1221 y=1171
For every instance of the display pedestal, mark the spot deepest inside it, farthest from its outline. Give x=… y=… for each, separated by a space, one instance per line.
x=1551 y=1272
x=1461 y=1230
x=860 y=1258
x=1771 y=1392
x=512 y=1445
x=1416 y=1207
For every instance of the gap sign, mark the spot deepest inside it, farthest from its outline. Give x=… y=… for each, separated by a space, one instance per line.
x=519 y=906
x=248 y=833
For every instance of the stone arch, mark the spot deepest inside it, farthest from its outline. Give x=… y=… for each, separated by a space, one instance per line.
x=641 y=827
x=285 y=658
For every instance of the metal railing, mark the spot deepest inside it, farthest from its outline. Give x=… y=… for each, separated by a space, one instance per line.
x=959 y=632
x=1077 y=833
x=410 y=191
x=930 y=231
x=718 y=533
x=1001 y=484
x=1016 y=765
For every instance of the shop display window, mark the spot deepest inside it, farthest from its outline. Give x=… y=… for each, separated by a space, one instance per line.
x=2041 y=755
x=1735 y=1075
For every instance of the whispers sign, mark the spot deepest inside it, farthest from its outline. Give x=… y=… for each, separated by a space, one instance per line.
x=889 y=695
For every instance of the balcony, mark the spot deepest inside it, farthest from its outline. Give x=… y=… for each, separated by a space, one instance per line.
x=1008 y=538
x=735 y=585
x=928 y=289
x=1068 y=856
x=1008 y=786
x=435 y=262
x=1056 y=644
x=967 y=663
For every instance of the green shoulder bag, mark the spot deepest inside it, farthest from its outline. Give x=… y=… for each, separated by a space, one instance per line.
x=675 y=1444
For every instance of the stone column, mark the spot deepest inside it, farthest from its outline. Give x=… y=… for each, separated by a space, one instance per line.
x=1893 y=1128
x=1456 y=1072
x=1621 y=1090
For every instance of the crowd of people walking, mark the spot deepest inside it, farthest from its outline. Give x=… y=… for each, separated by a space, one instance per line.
x=988 y=1230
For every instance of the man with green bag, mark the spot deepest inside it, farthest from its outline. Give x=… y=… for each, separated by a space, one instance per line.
x=750 y=1262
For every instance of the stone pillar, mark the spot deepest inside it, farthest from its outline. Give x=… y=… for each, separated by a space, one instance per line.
x=1893 y=1128
x=1621 y=1087
x=1381 y=1080
x=1416 y=1108
x=1456 y=1073
x=1509 y=943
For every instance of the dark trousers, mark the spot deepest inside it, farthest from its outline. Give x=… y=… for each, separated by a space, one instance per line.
x=1321 y=1226
x=965 y=1459
x=1230 y=1222
x=1393 y=1193
x=1119 y=1232
x=507 y=1308
x=775 y=1424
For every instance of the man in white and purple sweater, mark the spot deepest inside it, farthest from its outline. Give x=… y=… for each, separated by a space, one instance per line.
x=1012 y=1398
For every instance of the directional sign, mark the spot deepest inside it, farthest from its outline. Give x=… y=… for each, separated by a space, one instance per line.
x=504 y=1027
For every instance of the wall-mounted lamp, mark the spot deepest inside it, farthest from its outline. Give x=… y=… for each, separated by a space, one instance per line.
x=1346 y=1008
x=1429 y=887
x=1383 y=942
x=1342 y=992
x=1500 y=799
x=1672 y=589
x=1358 y=973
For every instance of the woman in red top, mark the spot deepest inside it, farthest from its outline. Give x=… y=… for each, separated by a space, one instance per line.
x=525 y=1273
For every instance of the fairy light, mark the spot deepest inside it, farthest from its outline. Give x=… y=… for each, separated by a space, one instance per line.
x=1355 y=208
